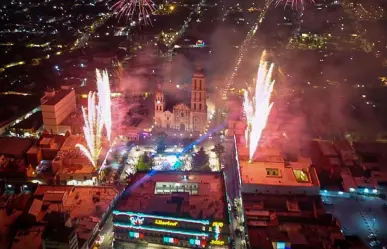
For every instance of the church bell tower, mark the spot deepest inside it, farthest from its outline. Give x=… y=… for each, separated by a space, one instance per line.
x=159 y=105
x=198 y=101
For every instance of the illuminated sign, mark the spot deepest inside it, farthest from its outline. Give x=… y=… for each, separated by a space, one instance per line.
x=217 y=242
x=136 y=220
x=217 y=224
x=166 y=223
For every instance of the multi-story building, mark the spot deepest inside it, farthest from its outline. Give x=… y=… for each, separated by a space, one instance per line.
x=269 y=173
x=59 y=233
x=71 y=167
x=71 y=217
x=289 y=221
x=56 y=107
x=173 y=209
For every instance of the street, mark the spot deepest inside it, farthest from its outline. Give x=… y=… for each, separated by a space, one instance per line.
x=107 y=234
x=367 y=215
x=233 y=192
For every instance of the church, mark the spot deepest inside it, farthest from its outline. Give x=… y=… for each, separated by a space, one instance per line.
x=182 y=117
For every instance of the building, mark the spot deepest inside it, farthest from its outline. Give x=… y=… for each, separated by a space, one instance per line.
x=13 y=147
x=284 y=221
x=269 y=173
x=46 y=149
x=346 y=168
x=15 y=197
x=59 y=233
x=182 y=117
x=56 y=107
x=71 y=167
x=173 y=209
x=71 y=216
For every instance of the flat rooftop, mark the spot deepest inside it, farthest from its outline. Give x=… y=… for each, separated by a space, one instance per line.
x=71 y=141
x=80 y=201
x=178 y=194
x=57 y=97
x=30 y=238
x=269 y=169
x=288 y=219
x=14 y=146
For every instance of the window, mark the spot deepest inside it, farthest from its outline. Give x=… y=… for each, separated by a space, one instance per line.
x=169 y=187
x=200 y=106
x=273 y=172
x=182 y=114
x=301 y=175
x=200 y=85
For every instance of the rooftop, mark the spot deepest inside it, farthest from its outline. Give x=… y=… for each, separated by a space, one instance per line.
x=270 y=169
x=71 y=169
x=14 y=146
x=57 y=232
x=71 y=141
x=30 y=238
x=79 y=201
x=180 y=194
x=57 y=97
x=273 y=219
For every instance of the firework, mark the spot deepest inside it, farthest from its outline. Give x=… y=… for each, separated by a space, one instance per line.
x=143 y=9
x=104 y=102
x=119 y=72
x=257 y=108
x=293 y=3
x=92 y=130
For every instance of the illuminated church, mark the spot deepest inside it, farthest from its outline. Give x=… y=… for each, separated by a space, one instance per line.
x=182 y=117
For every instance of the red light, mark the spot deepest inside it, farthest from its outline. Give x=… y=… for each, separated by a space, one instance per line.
x=141 y=236
x=175 y=241
x=204 y=243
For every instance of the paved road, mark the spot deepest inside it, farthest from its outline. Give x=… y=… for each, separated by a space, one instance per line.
x=107 y=232
x=359 y=215
x=233 y=188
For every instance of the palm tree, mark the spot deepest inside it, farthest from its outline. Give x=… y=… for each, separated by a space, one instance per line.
x=219 y=150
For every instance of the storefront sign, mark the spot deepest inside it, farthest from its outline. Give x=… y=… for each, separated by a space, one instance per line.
x=166 y=223
x=217 y=242
x=217 y=224
x=136 y=220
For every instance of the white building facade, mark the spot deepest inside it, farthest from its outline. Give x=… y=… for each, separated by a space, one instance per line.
x=182 y=117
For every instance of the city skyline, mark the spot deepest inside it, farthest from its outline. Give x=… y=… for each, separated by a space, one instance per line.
x=194 y=124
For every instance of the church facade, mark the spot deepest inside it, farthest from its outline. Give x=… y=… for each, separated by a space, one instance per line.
x=182 y=117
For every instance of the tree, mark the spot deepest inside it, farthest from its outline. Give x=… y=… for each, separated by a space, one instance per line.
x=161 y=147
x=200 y=160
x=144 y=162
x=219 y=150
x=160 y=142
